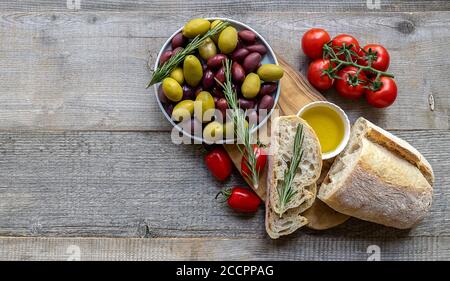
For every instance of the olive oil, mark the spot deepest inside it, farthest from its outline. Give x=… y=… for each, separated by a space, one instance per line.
x=328 y=126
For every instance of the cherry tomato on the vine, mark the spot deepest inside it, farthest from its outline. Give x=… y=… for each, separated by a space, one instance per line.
x=261 y=159
x=377 y=54
x=385 y=95
x=316 y=75
x=313 y=41
x=219 y=163
x=241 y=199
x=350 y=85
x=344 y=39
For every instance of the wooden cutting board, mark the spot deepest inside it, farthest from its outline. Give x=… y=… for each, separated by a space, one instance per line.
x=296 y=92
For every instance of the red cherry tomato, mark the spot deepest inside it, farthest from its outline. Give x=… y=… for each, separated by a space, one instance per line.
x=261 y=159
x=313 y=41
x=385 y=96
x=219 y=163
x=316 y=75
x=377 y=54
x=241 y=199
x=349 y=86
x=347 y=40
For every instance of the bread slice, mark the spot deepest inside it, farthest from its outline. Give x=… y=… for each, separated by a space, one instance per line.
x=379 y=178
x=292 y=219
x=283 y=221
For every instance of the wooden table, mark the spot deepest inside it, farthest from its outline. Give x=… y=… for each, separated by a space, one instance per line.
x=85 y=151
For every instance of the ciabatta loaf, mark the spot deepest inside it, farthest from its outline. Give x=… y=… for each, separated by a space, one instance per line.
x=285 y=220
x=379 y=178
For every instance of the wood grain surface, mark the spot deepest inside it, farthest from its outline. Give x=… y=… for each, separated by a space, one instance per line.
x=301 y=248
x=87 y=70
x=85 y=150
x=228 y=6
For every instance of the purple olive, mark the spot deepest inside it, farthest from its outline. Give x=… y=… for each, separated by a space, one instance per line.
x=198 y=90
x=266 y=102
x=217 y=92
x=216 y=61
x=239 y=55
x=176 y=50
x=246 y=104
x=169 y=108
x=259 y=48
x=222 y=105
x=268 y=88
x=178 y=41
x=220 y=76
x=161 y=96
x=188 y=93
x=251 y=62
x=237 y=72
x=247 y=36
x=208 y=79
x=165 y=56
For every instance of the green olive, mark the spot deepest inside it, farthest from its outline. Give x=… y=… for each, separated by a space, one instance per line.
x=213 y=132
x=183 y=110
x=228 y=40
x=196 y=27
x=172 y=89
x=228 y=128
x=215 y=38
x=192 y=70
x=251 y=85
x=207 y=49
x=204 y=101
x=178 y=75
x=270 y=72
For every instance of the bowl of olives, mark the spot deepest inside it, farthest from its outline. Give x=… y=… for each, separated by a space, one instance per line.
x=196 y=84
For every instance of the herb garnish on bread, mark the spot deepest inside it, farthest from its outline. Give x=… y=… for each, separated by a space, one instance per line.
x=284 y=216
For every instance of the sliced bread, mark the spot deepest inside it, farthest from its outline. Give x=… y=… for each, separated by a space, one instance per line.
x=284 y=220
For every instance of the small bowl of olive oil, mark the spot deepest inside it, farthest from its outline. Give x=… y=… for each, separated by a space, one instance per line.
x=330 y=124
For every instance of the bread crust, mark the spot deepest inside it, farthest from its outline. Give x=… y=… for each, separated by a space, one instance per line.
x=291 y=219
x=389 y=182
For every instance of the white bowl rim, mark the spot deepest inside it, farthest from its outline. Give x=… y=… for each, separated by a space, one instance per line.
x=344 y=118
x=169 y=118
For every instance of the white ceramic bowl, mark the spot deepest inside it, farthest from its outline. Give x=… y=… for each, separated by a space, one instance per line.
x=344 y=119
x=268 y=58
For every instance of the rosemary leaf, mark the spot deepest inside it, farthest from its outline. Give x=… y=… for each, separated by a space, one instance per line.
x=286 y=192
x=242 y=130
x=164 y=70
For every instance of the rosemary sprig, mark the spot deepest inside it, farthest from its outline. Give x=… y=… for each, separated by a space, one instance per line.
x=241 y=128
x=286 y=192
x=163 y=71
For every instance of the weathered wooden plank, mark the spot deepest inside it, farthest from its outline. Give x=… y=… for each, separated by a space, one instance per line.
x=197 y=6
x=305 y=247
x=139 y=184
x=87 y=71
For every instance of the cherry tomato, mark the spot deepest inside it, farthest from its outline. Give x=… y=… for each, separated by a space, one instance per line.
x=349 y=86
x=313 y=41
x=377 y=54
x=241 y=199
x=385 y=96
x=316 y=75
x=344 y=39
x=219 y=163
x=261 y=159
